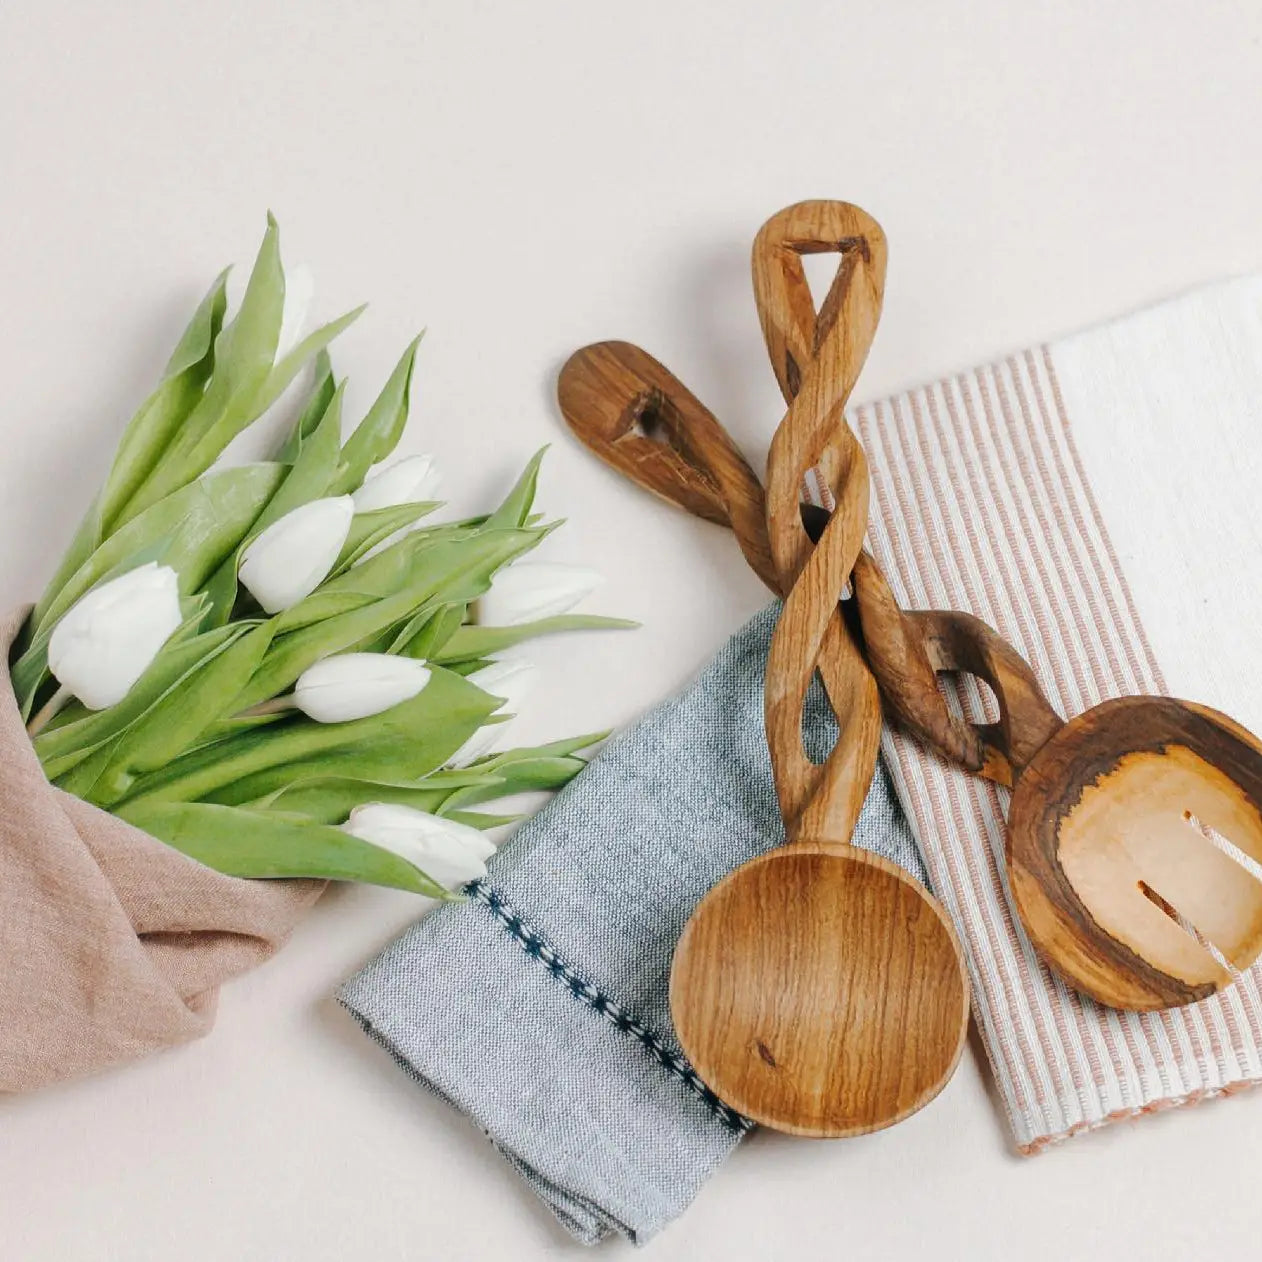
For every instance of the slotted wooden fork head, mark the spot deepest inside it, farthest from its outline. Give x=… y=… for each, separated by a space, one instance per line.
x=1121 y=833
x=1135 y=829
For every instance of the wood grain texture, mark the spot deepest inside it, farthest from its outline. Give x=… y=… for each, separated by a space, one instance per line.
x=818 y=989
x=907 y=652
x=638 y=417
x=1107 y=840
x=852 y=1020
x=817 y=358
x=1118 y=802
x=1113 y=813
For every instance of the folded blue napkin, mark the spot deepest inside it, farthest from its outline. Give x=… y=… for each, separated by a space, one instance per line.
x=539 y=1007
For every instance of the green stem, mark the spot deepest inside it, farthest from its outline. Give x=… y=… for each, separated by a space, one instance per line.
x=54 y=706
x=277 y=705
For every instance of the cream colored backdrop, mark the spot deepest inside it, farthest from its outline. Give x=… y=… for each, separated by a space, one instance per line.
x=524 y=178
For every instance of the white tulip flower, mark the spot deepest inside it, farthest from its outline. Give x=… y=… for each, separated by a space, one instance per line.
x=512 y=680
x=299 y=295
x=406 y=481
x=292 y=557
x=105 y=642
x=356 y=685
x=447 y=852
x=529 y=591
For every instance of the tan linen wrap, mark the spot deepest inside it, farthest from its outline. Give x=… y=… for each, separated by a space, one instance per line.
x=112 y=945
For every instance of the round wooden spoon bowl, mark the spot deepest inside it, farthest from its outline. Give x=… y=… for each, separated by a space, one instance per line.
x=1111 y=833
x=818 y=991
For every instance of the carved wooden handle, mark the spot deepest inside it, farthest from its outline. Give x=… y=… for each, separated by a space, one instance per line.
x=906 y=651
x=640 y=418
x=817 y=358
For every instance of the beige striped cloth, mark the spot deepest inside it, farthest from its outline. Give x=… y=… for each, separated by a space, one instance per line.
x=1095 y=501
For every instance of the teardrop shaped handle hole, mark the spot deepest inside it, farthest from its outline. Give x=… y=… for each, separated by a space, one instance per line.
x=968 y=697
x=818 y=725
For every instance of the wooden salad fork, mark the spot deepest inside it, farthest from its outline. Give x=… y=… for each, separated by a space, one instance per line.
x=1127 y=825
x=1135 y=829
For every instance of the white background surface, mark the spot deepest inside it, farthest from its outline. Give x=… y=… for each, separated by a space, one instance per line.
x=525 y=178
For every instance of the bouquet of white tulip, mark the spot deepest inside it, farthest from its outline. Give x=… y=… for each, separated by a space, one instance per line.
x=281 y=669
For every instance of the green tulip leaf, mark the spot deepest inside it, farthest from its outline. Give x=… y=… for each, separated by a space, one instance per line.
x=525 y=770
x=291 y=364
x=221 y=591
x=319 y=397
x=383 y=575
x=84 y=773
x=481 y=820
x=312 y=471
x=182 y=715
x=517 y=504
x=440 y=572
x=528 y=776
x=247 y=843
x=553 y=749
x=404 y=742
x=235 y=724
x=470 y=666
x=322 y=605
x=330 y=799
x=390 y=569
x=476 y=641
x=371 y=528
x=146 y=437
x=425 y=634
x=61 y=747
x=244 y=352
x=377 y=435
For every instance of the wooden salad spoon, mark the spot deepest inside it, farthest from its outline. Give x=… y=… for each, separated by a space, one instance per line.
x=818 y=989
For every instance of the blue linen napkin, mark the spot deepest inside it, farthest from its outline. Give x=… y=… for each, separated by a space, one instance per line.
x=539 y=1008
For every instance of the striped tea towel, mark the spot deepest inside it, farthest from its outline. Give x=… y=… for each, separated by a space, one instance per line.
x=1092 y=499
x=1096 y=501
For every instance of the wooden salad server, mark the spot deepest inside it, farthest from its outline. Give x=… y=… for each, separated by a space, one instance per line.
x=818 y=989
x=1131 y=828
x=1135 y=830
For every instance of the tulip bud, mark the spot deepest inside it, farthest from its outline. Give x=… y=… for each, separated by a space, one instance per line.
x=356 y=685
x=447 y=852
x=291 y=558
x=299 y=294
x=512 y=680
x=528 y=591
x=407 y=481
x=105 y=642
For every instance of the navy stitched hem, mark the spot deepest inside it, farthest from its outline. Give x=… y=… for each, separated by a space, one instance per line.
x=536 y=946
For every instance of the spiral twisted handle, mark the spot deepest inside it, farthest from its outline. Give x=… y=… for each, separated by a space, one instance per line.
x=639 y=418
x=817 y=357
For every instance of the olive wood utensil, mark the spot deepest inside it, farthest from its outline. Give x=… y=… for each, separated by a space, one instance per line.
x=1123 y=821
x=1127 y=825
x=818 y=989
